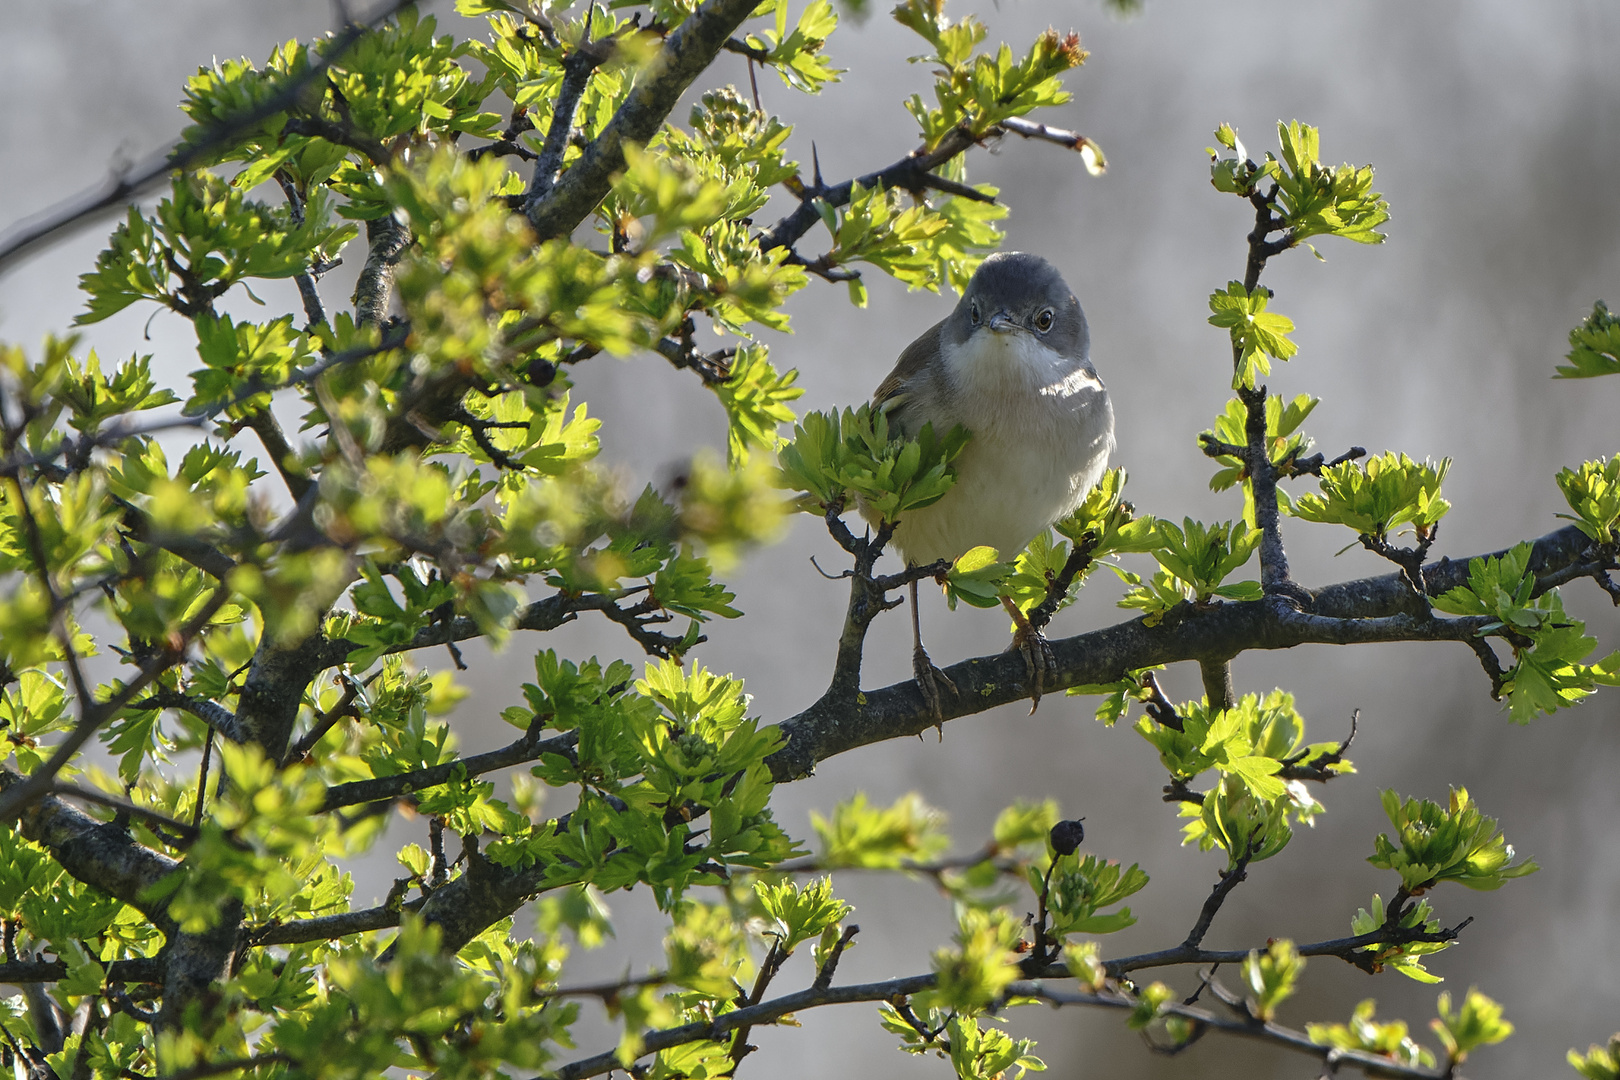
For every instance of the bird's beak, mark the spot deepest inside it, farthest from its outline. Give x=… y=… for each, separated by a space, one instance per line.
x=1002 y=323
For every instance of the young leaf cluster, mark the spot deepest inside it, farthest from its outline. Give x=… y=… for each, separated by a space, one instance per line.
x=1404 y=957
x=1363 y=1032
x=975 y=91
x=834 y=457
x=1435 y=843
x=1549 y=646
x=1284 y=443
x=1195 y=560
x=1258 y=336
x=1594 y=346
x=1311 y=198
x=1248 y=746
x=1378 y=495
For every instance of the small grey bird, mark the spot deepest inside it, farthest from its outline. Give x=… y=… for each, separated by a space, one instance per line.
x=1012 y=365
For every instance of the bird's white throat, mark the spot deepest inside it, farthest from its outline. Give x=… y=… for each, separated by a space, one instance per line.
x=997 y=363
x=998 y=378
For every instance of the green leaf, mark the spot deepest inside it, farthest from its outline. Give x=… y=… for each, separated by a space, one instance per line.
x=976 y=578
x=985 y=959
x=1593 y=492
x=833 y=458
x=1081 y=887
x=1599 y=1062
x=1594 y=346
x=1257 y=334
x=1379 y=495
x=755 y=397
x=1388 y=1039
x=800 y=914
x=1477 y=1022
x=1550 y=672
x=1315 y=199
x=797 y=55
x=1284 y=441
x=1200 y=557
x=1269 y=977
x=861 y=835
x=1437 y=843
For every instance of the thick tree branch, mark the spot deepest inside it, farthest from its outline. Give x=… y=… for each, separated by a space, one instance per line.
x=1218 y=688
x=688 y=50
x=268 y=428
x=344 y=707
x=547 y=614
x=1359 y=612
x=762 y=1013
x=183 y=833
x=331 y=927
x=96 y=853
x=274 y=689
x=577 y=69
x=386 y=241
x=833 y=726
x=1389 y=594
x=193 y=963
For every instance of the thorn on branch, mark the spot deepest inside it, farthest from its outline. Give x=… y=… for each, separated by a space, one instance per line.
x=1296 y=768
x=508 y=145
x=1314 y=464
x=827 y=576
x=824 y=977
x=742 y=48
x=1159 y=707
x=824 y=266
x=713 y=368
x=1492 y=666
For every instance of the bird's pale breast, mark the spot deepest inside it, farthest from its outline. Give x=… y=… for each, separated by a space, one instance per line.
x=1042 y=430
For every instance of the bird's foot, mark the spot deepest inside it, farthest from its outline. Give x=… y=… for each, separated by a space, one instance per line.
x=1031 y=644
x=929 y=678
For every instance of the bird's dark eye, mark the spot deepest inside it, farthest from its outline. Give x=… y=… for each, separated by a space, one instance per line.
x=973 y=313
x=1043 y=321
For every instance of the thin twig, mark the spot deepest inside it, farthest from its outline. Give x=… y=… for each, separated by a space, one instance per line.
x=186 y=833
x=344 y=707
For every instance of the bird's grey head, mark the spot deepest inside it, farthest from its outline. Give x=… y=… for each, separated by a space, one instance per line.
x=1016 y=292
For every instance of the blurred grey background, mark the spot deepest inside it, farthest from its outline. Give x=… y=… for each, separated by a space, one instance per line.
x=1495 y=131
